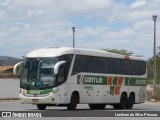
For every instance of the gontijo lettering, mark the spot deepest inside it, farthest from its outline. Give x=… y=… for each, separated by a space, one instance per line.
x=93 y=80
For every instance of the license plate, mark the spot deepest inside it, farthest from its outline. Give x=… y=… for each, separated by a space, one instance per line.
x=34 y=100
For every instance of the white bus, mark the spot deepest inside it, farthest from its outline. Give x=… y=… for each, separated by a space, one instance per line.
x=68 y=76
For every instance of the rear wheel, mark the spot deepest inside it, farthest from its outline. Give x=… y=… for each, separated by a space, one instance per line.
x=73 y=102
x=122 y=104
x=97 y=106
x=130 y=101
x=123 y=101
x=41 y=106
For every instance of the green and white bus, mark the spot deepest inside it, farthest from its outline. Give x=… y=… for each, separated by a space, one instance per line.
x=71 y=76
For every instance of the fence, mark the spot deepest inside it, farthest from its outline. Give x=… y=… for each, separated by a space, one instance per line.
x=9 y=88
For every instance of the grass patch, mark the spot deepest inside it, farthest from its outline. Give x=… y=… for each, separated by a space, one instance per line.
x=9 y=99
x=9 y=75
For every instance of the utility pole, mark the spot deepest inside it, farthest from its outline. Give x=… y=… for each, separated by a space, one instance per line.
x=73 y=29
x=154 y=17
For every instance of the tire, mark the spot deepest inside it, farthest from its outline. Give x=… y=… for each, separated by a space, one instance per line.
x=97 y=106
x=130 y=101
x=41 y=107
x=123 y=102
x=73 y=102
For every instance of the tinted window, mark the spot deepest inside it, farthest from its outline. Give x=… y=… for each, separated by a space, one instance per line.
x=138 y=67
x=103 y=65
x=79 y=64
x=68 y=59
x=125 y=67
x=91 y=64
x=143 y=67
x=114 y=66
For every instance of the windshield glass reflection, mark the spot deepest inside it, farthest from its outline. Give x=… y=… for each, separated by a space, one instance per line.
x=39 y=72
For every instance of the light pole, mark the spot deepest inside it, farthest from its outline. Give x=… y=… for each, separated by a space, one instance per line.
x=73 y=29
x=154 y=17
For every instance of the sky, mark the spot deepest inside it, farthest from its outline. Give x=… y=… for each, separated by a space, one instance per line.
x=26 y=25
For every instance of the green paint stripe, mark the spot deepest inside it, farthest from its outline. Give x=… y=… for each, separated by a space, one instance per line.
x=115 y=80
x=39 y=92
x=126 y=81
x=78 y=79
x=112 y=90
x=101 y=80
x=138 y=82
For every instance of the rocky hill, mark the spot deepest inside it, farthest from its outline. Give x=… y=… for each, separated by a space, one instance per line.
x=8 y=61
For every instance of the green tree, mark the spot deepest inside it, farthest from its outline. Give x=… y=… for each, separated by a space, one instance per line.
x=158 y=49
x=150 y=66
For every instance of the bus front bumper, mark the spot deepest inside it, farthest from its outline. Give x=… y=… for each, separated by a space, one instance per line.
x=50 y=99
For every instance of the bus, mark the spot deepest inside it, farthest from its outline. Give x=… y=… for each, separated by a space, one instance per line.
x=70 y=76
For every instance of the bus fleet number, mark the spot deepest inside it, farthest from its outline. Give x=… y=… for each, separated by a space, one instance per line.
x=140 y=82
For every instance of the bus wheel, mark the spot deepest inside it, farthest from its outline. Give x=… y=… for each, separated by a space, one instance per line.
x=97 y=106
x=123 y=101
x=73 y=102
x=41 y=106
x=130 y=101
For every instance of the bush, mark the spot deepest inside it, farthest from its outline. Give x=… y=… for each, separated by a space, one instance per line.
x=151 y=95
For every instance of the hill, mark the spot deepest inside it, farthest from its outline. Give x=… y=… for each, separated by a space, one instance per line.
x=8 y=61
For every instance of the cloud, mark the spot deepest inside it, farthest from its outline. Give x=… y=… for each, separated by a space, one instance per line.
x=5 y=2
x=27 y=25
x=138 y=3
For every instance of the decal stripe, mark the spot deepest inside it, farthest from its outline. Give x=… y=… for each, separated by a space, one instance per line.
x=110 y=80
x=116 y=90
x=120 y=80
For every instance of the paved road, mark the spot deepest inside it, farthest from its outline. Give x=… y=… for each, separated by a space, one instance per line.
x=81 y=109
x=17 y=106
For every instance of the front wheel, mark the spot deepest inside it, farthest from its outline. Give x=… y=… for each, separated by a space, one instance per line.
x=41 y=107
x=73 y=102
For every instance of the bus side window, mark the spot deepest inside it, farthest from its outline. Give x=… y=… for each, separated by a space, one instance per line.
x=61 y=75
x=68 y=58
x=114 y=66
x=79 y=64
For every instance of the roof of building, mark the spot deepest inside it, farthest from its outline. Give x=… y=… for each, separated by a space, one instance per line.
x=4 y=68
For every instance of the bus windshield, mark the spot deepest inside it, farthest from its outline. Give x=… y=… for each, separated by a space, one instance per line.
x=38 y=72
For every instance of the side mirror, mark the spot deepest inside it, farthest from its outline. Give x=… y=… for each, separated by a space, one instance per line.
x=57 y=65
x=16 y=66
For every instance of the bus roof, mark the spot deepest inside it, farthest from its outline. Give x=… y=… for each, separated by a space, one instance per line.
x=55 y=52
